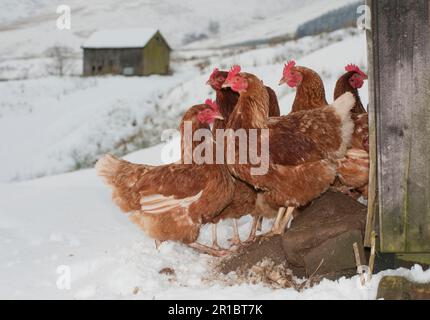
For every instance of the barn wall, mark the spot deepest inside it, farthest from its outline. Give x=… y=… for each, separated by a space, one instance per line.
x=401 y=82
x=112 y=61
x=156 y=56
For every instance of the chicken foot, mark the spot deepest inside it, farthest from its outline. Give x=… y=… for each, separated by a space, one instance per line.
x=216 y=252
x=208 y=250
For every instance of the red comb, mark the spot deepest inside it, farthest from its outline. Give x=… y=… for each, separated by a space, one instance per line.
x=287 y=69
x=354 y=68
x=233 y=72
x=214 y=106
x=214 y=73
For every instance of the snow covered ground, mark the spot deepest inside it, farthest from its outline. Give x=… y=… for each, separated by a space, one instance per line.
x=52 y=128
x=69 y=220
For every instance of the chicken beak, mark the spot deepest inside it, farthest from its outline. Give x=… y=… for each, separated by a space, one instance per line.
x=282 y=81
x=226 y=85
x=219 y=117
x=208 y=83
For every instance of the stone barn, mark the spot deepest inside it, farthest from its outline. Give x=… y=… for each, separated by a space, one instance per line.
x=130 y=52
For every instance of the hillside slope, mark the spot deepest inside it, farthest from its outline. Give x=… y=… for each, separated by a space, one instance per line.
x=30 y=27
x=51 y=125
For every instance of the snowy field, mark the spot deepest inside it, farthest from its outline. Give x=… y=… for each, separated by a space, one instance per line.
x=55 y=211
x=51 y=125
x=69 y=220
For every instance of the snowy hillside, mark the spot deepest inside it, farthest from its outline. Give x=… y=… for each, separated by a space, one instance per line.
x=28 y=30
x=50 y=125
x=238 y=21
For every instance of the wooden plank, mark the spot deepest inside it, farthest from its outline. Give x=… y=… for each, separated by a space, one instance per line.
x=401 y=53
x=372 y=207
x=400 y=288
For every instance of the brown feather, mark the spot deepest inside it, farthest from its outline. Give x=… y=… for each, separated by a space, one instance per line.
x=310 y=92
x=227 y=100
x=245 y=197
x=169 y=202
x=342 y=86
x=302 y=152
x=353 y=172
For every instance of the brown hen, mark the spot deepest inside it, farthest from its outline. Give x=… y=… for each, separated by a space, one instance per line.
x=226 y=100
x=159 y=207
x=353 y=170
x=303 y=146
x=311 y=95
x=310 y=88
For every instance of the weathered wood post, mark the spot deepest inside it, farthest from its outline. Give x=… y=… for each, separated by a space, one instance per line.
x=399 y=56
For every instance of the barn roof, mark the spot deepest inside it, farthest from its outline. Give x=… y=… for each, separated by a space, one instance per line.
x=119 y=38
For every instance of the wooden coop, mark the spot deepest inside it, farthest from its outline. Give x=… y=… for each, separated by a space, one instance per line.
x=399 y=113
x=129 y=52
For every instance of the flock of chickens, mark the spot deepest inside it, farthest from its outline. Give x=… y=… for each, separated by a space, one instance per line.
x=314 y=148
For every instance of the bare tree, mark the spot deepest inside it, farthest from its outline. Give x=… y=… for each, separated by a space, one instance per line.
x=62 y=60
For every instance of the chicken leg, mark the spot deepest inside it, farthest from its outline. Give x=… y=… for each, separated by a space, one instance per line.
x=215 y=244
x=260 y=224
x=286 y=220
x=235 y=241
x=277 y=224
x=282 y=220
x=254 y=228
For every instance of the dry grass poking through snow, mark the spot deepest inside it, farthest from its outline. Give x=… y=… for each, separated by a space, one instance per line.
x=265 y=272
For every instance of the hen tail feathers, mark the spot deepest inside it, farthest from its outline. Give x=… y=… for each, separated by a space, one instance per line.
x=108 y=167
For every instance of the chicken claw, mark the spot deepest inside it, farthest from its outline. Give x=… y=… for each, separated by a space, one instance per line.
x=208 y=250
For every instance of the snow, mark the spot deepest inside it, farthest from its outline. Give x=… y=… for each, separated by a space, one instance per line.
x=69 y=220
x=119 y=38
x=31 y=24
x=278 y=25
x=54 y=125
x=55 y=213
x=50 y=125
